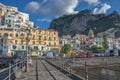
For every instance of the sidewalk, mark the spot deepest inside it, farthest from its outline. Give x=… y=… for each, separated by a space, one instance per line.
x=29 y=75
x=41 y=70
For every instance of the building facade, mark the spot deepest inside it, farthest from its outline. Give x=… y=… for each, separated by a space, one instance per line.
x=13 y=34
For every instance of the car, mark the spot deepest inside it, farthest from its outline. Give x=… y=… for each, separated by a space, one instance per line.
x=91 y=55
x=99 y=54
x=83 y=56
x=76 y=56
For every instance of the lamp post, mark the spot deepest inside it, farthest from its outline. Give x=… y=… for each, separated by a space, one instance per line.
x=27 y=47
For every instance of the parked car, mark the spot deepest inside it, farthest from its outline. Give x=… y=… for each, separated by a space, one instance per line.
x=99 y=54
x=83 y=56
x=91 y=55
x=75 y=55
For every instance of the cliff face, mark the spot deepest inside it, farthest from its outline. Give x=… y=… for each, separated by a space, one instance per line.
x=82 y=21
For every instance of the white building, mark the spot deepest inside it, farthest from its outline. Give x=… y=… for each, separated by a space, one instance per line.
x=75 y=43
x=110 y=43
x=98 y=41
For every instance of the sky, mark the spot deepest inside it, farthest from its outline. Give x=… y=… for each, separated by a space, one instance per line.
x=42 y=12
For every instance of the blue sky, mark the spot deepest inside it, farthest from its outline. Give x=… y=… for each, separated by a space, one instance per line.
x=43 y=11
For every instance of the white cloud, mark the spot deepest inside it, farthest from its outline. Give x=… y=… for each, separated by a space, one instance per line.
x=103 y=9
x=53 y=7
x=44 y=1
x=93 y=2
x=32 y=6
x=44 y=20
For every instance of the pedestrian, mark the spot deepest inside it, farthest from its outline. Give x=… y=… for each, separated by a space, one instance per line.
x=30 y=62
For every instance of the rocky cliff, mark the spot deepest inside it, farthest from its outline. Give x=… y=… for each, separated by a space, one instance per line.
x=82 y=21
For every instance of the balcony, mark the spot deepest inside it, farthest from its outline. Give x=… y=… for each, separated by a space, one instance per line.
x=22 y=36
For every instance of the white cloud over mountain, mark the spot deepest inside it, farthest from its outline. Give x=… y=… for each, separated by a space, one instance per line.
x=93 y=2
x=103 y=9
x=57 y=8
x=44 y=20
x=53 y=7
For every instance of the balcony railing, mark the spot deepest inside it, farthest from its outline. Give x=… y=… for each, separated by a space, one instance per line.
x=13 y=71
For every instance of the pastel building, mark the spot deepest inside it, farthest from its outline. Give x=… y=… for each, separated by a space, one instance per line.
x=98 y=41
x=13 y=35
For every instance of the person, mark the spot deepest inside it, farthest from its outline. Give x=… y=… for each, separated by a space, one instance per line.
x=30 y=62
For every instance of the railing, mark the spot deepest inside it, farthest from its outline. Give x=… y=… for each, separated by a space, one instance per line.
x=87 y=70
x=13 y=71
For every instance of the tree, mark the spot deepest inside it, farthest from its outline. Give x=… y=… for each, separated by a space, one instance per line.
x=105 y=43
x=95 y=47
x=66 y=48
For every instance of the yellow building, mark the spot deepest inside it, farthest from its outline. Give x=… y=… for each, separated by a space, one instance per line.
x=13 y=36
x=14 y=41
x=48 y=37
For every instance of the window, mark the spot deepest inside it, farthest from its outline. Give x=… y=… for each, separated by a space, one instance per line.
x=9 y=25
x=39 y=37
x=54 y=44
x=42 y=48
x=33 y=36
x=12 y=53
x=9 y=21
x=22 y=41
x=54 y=38
x=39 y=42
x=22 y=47
x=16 y=41
x=6 y=21
x=35 y=47
x=39 y=31
x=49 y=38
x=44 y=38
x=49 y=43
x=16 y=35
x=7 y=10
x=33 y=30
x=54 y=33
x=19 y=17
x=22 y=34
x=11 y=35
x=5 y=34
x=14 y=47
x=33 y=42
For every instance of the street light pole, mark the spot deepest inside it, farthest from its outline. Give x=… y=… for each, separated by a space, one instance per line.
x=27 y=68
x=27 y=48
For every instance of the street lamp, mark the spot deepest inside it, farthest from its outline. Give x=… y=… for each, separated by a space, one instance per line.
x=27 y=47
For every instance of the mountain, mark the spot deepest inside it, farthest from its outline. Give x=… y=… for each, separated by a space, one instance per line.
x=84 y=20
